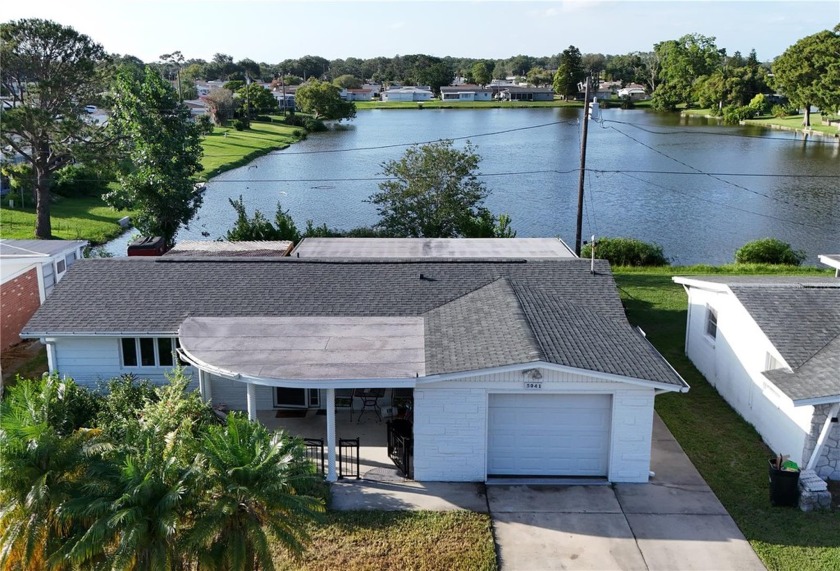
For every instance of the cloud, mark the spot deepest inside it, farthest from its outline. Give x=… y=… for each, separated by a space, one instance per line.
x=397 y=25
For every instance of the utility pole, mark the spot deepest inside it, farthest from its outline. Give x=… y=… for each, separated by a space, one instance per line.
x=579 y=227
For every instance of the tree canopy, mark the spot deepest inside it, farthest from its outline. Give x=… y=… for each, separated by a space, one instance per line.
x=50 y=72
x=808 y=72
x=257 y=99
x=570 y=73
x=682 y=62
x=163 y=150
x=433 y=191
x=324 y=101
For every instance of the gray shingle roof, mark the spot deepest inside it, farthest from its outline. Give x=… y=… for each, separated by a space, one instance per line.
x=801 y=317
x=479 y=313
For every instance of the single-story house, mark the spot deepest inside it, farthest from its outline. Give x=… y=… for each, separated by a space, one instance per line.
x=516 y=367
x=515 y=93
x=465 y=92
x=29 y=270
x=633 y=91
x=356 y=94
x=407 y=93
x=771 y=347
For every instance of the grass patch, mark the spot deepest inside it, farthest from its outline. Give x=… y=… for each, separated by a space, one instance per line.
x=794 y=123
x=726 y=450
x=397 y=540
x=226 y=148
x=85 y=218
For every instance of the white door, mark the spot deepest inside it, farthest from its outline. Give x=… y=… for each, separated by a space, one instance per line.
x=548 y=435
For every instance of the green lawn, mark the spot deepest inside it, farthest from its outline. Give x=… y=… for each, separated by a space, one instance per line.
x=790 y=123
x=85 y=218
x=794 y=123
x=89 y=218
x=397 y=540
x=725 y=449
x=227 y=148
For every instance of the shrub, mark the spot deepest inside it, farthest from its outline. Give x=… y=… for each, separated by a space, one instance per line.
x=627 y=103
x=626 y=252
x=205 y=125
x=769 y=251
x=314 y=125
x=79 y=180
x=263 y=118
x=241 y=124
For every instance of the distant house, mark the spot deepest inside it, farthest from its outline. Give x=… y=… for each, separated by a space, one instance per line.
x=197 y=107
x=771 y=347
x=30 y=269
x=516 y=93
x=356 y=94
x=466 y=92
x=633 y=91
x=407 y=93
x=514 y=367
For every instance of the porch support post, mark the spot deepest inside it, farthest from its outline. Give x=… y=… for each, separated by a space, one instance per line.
x=204 y=386
x=332 y=476
x=815 y=455
x=252 y=401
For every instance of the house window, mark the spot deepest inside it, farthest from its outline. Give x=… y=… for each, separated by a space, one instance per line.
x=60 y=267
x=711 y=322
x=146 y=352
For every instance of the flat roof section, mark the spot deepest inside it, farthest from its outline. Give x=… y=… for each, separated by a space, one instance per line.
x=308 y=348
x=215 y=248
x=435 y=248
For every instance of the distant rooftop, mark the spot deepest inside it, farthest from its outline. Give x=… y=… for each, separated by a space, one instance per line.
x=213 y=248
x=16 y=249
x=435 y=248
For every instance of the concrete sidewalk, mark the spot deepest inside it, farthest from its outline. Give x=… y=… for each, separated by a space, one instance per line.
x=675 y=522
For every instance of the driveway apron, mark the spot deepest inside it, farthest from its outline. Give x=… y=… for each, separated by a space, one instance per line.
x=674 y=522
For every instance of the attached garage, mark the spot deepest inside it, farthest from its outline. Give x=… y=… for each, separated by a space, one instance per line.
x=548 y=435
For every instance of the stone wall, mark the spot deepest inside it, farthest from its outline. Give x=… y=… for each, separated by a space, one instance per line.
x=828 y=464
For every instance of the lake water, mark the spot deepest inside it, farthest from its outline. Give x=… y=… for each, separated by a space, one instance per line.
x=529 y=163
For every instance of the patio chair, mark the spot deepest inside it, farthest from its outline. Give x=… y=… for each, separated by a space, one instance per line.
x=370 y=402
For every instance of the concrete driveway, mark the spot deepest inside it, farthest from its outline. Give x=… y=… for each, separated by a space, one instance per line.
x=674 y=522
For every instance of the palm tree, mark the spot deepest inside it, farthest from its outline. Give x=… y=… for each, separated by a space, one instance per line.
x=136 y=505
x=40 y=471
x=249 y=480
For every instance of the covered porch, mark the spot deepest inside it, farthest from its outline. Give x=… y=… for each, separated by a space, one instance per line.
x=374 y=462
x=325 y=356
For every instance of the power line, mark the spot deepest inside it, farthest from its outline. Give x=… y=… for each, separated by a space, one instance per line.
x=824 y=140
x=770 y=216
x=398 y=145
x=716 y=177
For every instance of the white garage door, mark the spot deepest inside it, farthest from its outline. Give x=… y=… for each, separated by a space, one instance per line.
x=548 y=435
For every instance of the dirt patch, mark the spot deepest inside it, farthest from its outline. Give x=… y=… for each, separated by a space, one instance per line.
x=28 y=359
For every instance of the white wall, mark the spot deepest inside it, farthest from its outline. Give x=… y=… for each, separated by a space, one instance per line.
x=733 y=363
x=89 y=360
x=450 y=424
x=233 y=394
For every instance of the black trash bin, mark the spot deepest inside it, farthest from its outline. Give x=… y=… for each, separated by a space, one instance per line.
x=784 y=485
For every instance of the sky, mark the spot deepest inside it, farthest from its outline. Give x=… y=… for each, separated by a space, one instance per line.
x=274 y=30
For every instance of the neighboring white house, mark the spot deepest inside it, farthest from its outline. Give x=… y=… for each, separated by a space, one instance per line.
x=407 y=93
x=518 y=366
x=435 y=248
x=362 y=94
x=832 y=261
x=771 y=348
x=466 y=92
x=29 y=270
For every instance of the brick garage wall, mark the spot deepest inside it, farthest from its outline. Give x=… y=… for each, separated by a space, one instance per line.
x=19 y=298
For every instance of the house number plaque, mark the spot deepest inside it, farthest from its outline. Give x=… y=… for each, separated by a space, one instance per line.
x=533 y=385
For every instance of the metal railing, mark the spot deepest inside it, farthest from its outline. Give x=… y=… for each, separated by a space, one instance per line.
x=348 y=458
x=401 y=446
x=315 y=453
